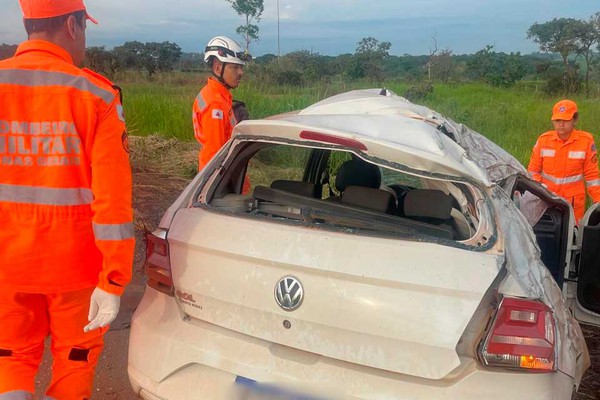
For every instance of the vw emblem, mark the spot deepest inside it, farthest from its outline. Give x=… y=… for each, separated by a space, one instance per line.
x=289 y=293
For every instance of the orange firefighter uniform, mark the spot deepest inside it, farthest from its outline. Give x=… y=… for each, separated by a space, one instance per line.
x=213 y=119
x=566 y=167
x=65 y=215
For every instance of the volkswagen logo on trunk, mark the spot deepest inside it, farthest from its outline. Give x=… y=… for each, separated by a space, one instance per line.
x=289 y=293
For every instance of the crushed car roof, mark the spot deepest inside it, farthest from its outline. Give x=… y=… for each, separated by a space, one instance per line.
x=397 y=130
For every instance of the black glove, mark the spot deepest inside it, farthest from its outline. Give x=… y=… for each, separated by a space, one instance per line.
x=239 y=111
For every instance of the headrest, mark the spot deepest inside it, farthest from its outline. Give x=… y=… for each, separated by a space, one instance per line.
x=297 y=187
x=372 y=199
x=357 y=172
x=427 y=203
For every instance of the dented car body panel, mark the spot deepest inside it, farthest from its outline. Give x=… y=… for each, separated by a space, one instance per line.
x=369 y=266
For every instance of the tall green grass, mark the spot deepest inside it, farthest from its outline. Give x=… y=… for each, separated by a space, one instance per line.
x=512 y=118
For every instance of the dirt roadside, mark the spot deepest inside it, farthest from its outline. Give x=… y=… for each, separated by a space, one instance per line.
x=161 y=169
x=153 y=193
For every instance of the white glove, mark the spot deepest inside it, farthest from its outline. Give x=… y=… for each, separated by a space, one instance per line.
x=104 y=308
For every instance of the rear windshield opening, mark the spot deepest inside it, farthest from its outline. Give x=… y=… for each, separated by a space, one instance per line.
x=336 y=189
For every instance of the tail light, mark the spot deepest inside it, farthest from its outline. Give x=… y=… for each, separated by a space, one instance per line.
x=522 y=336
x=322 y=137
x=158 y=264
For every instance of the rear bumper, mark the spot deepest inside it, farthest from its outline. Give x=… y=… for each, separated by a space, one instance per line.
x=175 y=359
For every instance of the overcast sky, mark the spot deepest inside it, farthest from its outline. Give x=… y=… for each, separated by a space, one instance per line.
x=324 y=26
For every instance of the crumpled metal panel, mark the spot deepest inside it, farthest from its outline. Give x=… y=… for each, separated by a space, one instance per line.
x=498 y=163
x=524 y=263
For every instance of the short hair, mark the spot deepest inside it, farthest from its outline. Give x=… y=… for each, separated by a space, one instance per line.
x=52 y=25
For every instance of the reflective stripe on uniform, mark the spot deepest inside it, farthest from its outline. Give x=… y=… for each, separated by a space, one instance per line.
x=595 y=182
x=577 y=155
x=201 y=102
x=16 y=395
x=113 y=231
x=120 y=113
x=45 y=195
x=562 y=181
x=33 y=78
x=547 y=153
x=48 y=398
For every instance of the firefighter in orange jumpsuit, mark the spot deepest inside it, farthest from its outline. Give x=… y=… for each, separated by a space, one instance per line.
x=212 y=114
x=66 y=237
x=565 y=159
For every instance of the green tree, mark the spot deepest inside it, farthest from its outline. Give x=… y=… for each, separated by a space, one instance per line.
x=497 y=69
x=160 y=56
x=251 y=10
x=368 y=59
x=558 y=36
x=129 y=55
x=101 y=60
x=481 y=63
x=406 y=67
x=441 y=65
x=587 y=34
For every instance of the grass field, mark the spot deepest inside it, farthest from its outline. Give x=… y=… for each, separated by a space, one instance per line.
x=513 y=118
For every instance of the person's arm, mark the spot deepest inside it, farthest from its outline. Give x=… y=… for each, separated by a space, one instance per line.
x=212 y=137
x=197 y=116
x=590 y=171
x=112 y=213
x=535 y=163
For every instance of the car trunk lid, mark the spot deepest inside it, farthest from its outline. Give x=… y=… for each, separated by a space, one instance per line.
x=387 y=303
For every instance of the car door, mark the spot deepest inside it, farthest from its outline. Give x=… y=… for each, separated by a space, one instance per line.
x=571 y=254
x=552 y=221
x=585 y=270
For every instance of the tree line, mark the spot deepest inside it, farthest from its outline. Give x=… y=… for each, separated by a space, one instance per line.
x=567 y=62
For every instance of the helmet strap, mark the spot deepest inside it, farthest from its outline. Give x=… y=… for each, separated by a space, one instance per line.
x=220 y=77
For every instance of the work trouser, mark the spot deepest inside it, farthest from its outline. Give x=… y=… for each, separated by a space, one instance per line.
x=578 y=203
x=25 y=321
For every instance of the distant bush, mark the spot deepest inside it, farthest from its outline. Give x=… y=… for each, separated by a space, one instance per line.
x=289 y=78
x=419 y=91
x=557 y=82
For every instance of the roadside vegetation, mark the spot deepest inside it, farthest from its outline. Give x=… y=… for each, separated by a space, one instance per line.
x=512 y=117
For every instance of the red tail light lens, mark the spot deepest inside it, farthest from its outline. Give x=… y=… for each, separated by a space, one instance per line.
x=158 y=264
x=522 y=336
x=325 y=138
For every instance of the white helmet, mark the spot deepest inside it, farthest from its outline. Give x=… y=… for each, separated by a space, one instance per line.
x=226 y=50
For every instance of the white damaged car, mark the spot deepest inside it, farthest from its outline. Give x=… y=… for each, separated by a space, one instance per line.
x=382 y=251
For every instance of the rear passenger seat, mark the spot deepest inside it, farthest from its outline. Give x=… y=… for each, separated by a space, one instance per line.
x=369 y=198
x=301 y=188
x=428 y=205
x=356 y=172
x=431 y=206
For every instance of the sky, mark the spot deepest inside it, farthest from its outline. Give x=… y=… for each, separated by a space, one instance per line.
x=327 y=27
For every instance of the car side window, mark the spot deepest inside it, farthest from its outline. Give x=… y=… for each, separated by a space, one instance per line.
x=336 y=159
x=390 y=177
x=277 y=163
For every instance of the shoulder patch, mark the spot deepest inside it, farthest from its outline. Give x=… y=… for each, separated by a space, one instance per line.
x=217 y=114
